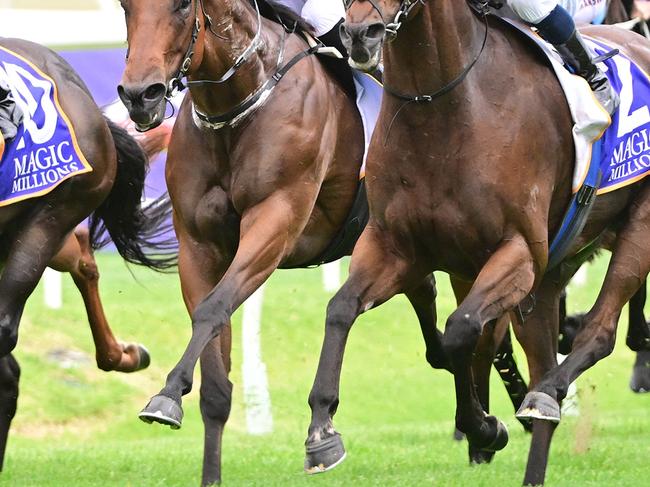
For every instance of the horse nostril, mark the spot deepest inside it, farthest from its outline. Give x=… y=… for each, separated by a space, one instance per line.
x=155 y=92
x=375 y=32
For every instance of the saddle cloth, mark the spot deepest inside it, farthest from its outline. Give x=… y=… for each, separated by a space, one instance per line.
x=44 y=152
x=624 y=152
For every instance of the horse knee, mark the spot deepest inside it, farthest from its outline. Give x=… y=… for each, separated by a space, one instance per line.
x=216 y=401
x=341 y=313
x=462 y=331
x=605 y=339
x=8 y=335
x=210 y=316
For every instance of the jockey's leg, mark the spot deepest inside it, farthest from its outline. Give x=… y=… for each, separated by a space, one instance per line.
x=557 y=26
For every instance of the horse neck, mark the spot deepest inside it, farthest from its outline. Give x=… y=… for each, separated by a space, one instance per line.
x=236 y=21
x=433 y=47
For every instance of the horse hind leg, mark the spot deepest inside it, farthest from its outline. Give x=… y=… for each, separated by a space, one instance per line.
x=638 y=340
x=502 y=284
x=76 y=257
x=505 y=364
x=9 y=379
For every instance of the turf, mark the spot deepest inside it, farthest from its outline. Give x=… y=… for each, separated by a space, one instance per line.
x=78 y=425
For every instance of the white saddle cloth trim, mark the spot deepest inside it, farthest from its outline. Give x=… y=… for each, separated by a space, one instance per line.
x=369 y=93
x=589 y=117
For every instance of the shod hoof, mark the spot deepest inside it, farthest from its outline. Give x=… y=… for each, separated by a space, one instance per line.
x=163 y=410
x=500 y=440
x=324 y=455
x=539 y=405
x=145 y=358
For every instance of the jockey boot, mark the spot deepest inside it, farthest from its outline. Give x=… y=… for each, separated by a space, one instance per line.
x=576 y=55
x=338 y=67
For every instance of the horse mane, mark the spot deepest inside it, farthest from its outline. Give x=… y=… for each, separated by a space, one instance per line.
x=280 y=14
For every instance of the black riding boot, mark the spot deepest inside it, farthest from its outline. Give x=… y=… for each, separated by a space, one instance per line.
x=575 y=53
x=339 y=67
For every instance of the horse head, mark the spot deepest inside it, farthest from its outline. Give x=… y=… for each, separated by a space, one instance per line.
x=369 y=24
x=164 y=44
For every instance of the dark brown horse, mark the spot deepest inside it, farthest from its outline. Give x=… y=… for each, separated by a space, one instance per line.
x=40 y=232
x=463 y=179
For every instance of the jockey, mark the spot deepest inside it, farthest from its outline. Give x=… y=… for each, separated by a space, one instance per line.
x=325 y=17
x=10 y=114
x=556 y=25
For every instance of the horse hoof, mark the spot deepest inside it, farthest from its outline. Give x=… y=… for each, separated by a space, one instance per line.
x=163 y=410
x=480 y=457
x=640 y=381
x=145 y=358
x=539 y=405
x=324 y=455
x=500 y=440
x=458 y=435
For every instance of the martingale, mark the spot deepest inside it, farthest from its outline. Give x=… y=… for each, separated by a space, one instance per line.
x=45 y=151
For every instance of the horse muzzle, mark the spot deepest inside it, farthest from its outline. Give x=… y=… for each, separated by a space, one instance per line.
x=363 y=43
x=146 y=104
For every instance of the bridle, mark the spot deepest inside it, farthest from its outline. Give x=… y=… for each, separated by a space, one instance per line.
x=176 y=82
x=256 y=99
x=393 y=27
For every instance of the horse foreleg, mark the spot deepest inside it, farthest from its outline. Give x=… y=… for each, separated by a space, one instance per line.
x=376 y=275
x=626 y=273
x=423 y=300
x=538 y=337
x=503 y=282
x=216 y=400
x=76 y=257
x=9 y=379
x=266 y=232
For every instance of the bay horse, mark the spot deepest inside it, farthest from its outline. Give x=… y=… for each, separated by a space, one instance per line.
x=255 y=185
x=462 y=178
x=45 y=231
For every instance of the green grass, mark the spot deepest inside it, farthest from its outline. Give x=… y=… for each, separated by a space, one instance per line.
x=78 y=426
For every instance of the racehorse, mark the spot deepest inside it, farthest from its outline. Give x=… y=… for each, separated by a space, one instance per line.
x=40 y=232
x=451 y=188
x=258 y=179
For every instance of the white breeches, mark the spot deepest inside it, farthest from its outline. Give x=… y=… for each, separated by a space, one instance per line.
x=322 y=15
x=583 y=11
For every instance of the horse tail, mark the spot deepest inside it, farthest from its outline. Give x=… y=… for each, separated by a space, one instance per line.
x=140 y=234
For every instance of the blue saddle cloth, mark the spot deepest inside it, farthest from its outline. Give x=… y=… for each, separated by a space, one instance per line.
x=44 y=152
x=621 y=156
